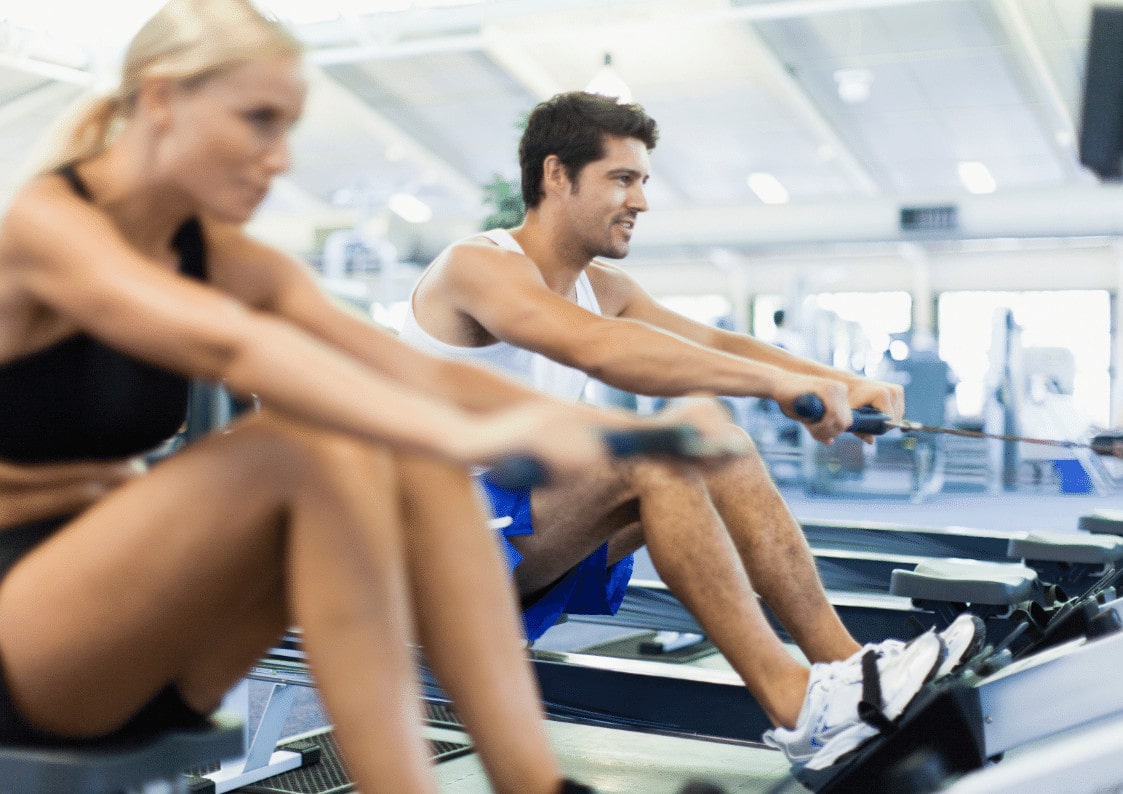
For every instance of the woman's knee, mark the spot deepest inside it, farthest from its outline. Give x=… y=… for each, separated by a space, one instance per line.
x=292 y=457
x=652 y=476
x=425 y=481
x=648 y=476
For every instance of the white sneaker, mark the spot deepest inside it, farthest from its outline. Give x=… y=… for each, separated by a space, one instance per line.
x=964 y=638
x=829 y=725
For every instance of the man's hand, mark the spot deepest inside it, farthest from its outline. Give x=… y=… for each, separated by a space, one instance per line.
x=837 y=416
x=889 y=398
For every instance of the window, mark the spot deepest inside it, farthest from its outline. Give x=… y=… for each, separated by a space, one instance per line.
x=1077 y=320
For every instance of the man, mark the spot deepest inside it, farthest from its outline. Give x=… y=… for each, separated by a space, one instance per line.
x=540 y=304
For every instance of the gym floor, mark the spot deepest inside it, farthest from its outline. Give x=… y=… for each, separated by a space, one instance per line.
x=625 y=761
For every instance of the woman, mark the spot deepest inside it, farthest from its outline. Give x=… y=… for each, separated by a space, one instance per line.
x=137 y=598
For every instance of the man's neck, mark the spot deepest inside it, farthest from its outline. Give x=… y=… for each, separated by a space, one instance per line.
x=558 y=259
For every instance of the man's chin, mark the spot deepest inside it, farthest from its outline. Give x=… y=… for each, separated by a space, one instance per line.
x=615 y=252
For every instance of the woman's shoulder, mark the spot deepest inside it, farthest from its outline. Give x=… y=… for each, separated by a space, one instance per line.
x=43 y=194
x=35 y=199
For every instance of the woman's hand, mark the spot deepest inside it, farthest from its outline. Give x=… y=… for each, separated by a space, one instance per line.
x=29 y=493
x=562 y=438
x=719 y=437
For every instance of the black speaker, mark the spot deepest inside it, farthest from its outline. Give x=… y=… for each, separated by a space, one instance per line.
x=1101 y=129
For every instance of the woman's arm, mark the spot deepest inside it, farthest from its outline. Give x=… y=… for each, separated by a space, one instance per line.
x=289 y=289
x=71 y=259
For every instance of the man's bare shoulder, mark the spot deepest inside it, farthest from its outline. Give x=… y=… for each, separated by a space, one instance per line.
x=613 y=286
x=599 y=269
x=473 y=253
x=478 y=245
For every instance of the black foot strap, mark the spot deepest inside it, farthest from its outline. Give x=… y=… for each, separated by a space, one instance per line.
x=869 y=707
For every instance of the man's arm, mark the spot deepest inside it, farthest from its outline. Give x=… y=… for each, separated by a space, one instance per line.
x=632 y=301
x=504 y=293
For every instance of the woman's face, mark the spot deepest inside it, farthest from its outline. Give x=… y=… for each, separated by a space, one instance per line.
x=228 y=136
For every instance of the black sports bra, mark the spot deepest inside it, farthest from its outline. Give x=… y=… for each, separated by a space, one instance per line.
x=82 y=400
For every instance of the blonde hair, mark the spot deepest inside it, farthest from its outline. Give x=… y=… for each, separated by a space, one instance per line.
x=186 y=40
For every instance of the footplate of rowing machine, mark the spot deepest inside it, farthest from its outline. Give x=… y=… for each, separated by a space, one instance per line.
x=943 y=725
x=966 y=582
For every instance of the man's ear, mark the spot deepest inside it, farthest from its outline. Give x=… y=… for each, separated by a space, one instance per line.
x=554 y=176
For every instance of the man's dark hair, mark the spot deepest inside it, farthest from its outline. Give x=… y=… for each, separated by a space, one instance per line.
x=572 y=126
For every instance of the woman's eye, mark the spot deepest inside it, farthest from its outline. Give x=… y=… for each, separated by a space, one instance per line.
x=263 y=117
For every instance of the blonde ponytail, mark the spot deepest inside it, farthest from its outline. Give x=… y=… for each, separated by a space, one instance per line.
x=86 y=133
x=185 y=40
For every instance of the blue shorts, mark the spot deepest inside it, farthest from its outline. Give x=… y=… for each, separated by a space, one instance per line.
x=591 y=587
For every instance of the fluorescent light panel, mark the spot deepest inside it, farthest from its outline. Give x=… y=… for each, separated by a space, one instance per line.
x=410 y=208
x=976 y=177
x=768 y=188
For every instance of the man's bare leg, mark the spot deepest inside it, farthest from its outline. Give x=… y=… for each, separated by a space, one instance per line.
x=692 y=552
x=775 y=553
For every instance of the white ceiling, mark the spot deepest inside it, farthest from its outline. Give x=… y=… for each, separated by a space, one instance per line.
x=427 y=100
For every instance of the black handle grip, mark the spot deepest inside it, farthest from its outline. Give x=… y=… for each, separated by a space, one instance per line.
x=867 y=419
x=518 y=472
x=810 y=407
x=682 y=441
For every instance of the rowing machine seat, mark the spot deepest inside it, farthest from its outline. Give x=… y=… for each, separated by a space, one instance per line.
x=1108 y=522
x=94 y=767
x=966 y=582
x=1067 y=547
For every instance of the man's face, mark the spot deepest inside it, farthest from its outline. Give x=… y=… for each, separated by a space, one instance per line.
x=607 y=197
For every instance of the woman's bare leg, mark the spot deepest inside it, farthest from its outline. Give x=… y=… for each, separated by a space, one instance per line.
x=136 y=592
x=470 y=628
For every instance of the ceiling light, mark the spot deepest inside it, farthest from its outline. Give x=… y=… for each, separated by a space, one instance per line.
x=853 y=85
x=608 y=82
x=976 y=177
x=768 y=188
x=410 y=208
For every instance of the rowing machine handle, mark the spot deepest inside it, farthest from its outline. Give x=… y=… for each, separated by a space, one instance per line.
x=518 y=472
x=867 y=419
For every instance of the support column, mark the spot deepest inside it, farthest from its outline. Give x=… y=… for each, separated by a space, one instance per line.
x=1115 y=416
x=923 y=321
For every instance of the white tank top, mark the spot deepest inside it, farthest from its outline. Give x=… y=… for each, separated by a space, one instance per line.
x=530 y=368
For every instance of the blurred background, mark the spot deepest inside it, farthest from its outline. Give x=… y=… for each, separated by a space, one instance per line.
x=890 y=186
